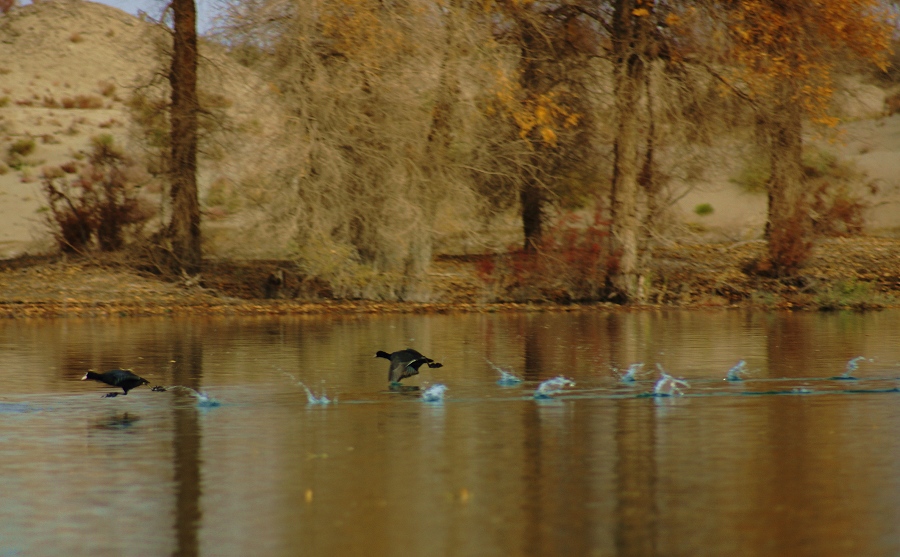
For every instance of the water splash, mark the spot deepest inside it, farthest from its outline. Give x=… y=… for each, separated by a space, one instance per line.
x=434 y=393
x=203 y=399
x=735 y=373
x=506 y=378
x=552 y=386
x=631 y=373
x=668 y=385
x=852 y=366
x=312 y=399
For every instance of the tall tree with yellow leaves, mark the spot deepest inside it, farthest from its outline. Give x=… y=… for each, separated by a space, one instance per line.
x=782 y=56
x=545 y=98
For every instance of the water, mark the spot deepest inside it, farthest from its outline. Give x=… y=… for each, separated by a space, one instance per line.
x=787 y=461
x=507 y=377
x=553 y=386
x=737 y=372
x=668 y=385
x=434 y=393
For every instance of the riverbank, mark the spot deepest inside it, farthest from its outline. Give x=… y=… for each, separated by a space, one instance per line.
x=844 y=273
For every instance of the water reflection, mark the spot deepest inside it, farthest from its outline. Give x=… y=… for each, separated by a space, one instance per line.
x=636 y=479
x=187 y=357
x=117 y=421
x=488 y=471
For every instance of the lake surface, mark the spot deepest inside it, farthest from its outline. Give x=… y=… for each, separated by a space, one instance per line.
x=786 y=462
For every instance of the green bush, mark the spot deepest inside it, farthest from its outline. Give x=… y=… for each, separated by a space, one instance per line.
x=704 y=209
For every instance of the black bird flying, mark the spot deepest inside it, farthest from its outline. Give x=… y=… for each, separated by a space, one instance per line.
x=117 y=378
x=405 y=363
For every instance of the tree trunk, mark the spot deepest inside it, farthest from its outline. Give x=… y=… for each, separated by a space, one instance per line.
x=184 y=228
x=531 y=194
x=532 y=200
x=789 y=225
x=627 y=274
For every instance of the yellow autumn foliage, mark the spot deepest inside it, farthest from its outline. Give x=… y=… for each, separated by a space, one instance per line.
x=776 y=42
x=543 y=113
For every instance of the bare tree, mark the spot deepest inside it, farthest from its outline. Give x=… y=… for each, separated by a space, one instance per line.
x=184 y=227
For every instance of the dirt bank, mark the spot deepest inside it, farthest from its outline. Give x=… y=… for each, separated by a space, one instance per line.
x=846 y=273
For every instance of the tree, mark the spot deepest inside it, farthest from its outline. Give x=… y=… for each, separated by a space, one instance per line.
x=782 y=56
x=633 y=159
x=362 y=157
x=184 y=227
x=545 y=97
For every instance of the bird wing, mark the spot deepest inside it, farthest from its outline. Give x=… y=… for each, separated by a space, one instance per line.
x=406 y=363
x=401 y=370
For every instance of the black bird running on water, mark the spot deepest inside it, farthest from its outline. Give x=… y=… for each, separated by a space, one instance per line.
x=117 y=378
x=405 y=363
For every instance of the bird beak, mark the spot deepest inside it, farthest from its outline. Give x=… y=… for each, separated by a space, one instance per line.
x=85 y=377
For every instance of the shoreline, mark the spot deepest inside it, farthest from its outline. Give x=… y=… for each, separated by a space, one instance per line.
x=860 y=274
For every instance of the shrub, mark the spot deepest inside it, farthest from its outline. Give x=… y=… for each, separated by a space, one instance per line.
x=850 y=294
x=100 y=205
x=17 y=151
x=703 y=209
x=570 y=263
x=107 y=89
x=753 y=177
x=82 y=101
x=21 y=147
x=789 y=246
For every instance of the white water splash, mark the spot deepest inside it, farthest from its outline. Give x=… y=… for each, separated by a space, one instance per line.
x=434 y=393
x=552 y=386
x=312 y=399
x=506 y=378
x=668 y=385
x=735 y=373
x=853 y=365
x=631 y=373
x=203 y=399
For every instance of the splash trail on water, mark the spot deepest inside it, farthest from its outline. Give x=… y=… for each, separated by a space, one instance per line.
x=852 y=366
x=552 y=386
x=735 y=373
x=668 y=385
x=311 y=398
x=630 y=374
x=434 y=393
x=203 y=399
x=506 y=378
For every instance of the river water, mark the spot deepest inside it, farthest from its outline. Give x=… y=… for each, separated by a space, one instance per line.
x=787 y=461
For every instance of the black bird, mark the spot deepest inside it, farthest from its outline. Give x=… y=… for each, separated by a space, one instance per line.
x=405 y=363
x=117 y=378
